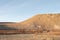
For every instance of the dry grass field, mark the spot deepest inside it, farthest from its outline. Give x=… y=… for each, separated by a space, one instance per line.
x=29 y=37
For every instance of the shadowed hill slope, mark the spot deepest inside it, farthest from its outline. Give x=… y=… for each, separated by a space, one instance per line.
x=4 y=27
x=4 y=23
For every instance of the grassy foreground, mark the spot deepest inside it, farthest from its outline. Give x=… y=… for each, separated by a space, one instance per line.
x=29 y=37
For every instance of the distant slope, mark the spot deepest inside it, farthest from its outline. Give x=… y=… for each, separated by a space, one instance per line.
x=2 y=23
x=4 y=26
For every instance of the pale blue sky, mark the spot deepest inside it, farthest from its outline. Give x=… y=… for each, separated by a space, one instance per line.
x=19 y=10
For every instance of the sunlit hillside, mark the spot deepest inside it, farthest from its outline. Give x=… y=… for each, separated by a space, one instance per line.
x=39 y=23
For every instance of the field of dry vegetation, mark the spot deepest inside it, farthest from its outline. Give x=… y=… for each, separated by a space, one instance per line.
x=29 y=37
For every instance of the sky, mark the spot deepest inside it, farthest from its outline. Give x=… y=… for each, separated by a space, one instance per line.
x=20 y=10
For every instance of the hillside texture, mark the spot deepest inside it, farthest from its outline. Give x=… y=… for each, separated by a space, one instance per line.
x=40 y=23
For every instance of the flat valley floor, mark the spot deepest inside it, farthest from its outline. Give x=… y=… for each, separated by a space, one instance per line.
x=29 y=37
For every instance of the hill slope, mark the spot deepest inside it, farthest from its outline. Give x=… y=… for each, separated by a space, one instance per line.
x=38 y=23
x=49 y=21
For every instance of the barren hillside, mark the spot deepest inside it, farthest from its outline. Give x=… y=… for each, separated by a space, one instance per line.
x=38 y=23
x=49 y=21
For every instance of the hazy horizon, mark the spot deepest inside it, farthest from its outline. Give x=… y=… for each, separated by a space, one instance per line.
x=20 y=10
